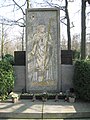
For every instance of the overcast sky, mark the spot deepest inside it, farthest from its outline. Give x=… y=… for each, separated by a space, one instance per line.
x=12 y=12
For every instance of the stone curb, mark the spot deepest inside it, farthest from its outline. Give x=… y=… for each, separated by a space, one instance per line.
x=78 y=115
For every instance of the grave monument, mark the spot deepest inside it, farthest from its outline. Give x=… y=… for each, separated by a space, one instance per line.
x=43 y=59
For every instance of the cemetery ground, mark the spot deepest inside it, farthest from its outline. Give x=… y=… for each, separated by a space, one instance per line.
x=60 y=110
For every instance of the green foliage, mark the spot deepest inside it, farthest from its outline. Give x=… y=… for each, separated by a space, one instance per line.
x=6 y=79
x=76 y=55
x=82 y=79
x=6 y=66
x=9 y=58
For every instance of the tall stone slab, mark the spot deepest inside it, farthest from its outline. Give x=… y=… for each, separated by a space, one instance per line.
x=43 y=50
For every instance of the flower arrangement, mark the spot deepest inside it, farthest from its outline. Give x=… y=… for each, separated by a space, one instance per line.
x=70 y=95
x=14 y=97
x=44 y=96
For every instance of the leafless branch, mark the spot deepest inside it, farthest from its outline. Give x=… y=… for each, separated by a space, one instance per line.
x=88 y=13
x=63 y=18
x=12 y=22
x=19 y=7
x=22 y=5
x=2 y=6
x=63 y=22
x=55 y=5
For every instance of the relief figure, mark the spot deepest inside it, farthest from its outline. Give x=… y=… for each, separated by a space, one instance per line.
x=41 y=54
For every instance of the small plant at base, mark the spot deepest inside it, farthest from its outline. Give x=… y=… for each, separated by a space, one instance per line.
x=34 y=98
x=56 y=98
x=44 y=96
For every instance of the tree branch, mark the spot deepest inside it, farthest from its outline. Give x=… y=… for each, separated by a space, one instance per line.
x=2 y=6
x=63 y=22
x=55 y=5
x=12 y=22
x=19 y=6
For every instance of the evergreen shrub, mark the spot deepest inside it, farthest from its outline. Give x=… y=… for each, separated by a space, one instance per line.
x=6 y=79
x=82 y=79
x=9 y=58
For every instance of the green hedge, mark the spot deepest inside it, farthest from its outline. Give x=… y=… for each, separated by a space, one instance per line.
x=82 y=79
x=6 y=79
x=9 y=58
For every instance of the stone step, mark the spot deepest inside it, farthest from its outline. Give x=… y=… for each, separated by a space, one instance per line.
x=26 y=109
x=48 y=119
x=83 y=115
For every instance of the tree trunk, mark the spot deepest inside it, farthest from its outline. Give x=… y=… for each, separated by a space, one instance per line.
x=28 y=1
x=83 y=30
x=68 y=25
x=2 y=42
x=23 y=39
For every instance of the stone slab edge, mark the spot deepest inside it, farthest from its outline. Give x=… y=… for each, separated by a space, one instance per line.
x=66 y=115
x=44 y=115
x=20 y=115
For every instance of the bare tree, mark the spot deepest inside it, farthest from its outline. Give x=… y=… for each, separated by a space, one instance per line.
x=65 y=9
x=18 y=43
x=20 y=7
x=6 y=43
x=68 y=25
x=63 y=43
x=2 y=42
x=21 y=21
x=83 y=28
x=76 y=42
x=28 y=3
